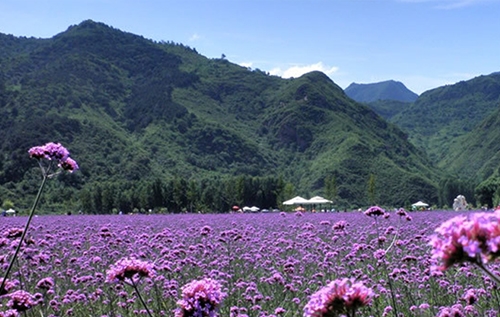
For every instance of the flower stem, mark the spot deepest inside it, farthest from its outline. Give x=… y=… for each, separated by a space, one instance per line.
x=32 y=213
x=488 y=272
x=140 y=297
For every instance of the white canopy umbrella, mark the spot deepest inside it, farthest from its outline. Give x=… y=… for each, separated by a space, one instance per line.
x=254 y=208
x=10 y=211
x=246 y=208
x=420 y=204
x=296 y=201
x=319 y=200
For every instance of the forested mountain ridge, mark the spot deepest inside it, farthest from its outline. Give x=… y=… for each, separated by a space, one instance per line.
x=442 y=116
x=385 y=90
x=141 y=116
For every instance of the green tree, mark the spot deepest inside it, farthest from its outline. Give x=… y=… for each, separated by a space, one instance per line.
x=97 y=199
x=7 y=204
x=192 y=195
x=371 y=189
x=86 y=200
x=330 y=187
x=108 y=198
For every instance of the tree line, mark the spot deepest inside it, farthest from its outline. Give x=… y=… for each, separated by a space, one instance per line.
x=179 y=195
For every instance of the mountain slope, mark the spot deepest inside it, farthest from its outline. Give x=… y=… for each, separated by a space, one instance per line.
x=386 y=90
x=476 y=155
x=441 y=115
x=133 y=110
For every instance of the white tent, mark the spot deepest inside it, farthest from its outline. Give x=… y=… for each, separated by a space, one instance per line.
x=296 y=201
x=10 y=211
x=319 y=200
x=254 y=208
x=420 y=204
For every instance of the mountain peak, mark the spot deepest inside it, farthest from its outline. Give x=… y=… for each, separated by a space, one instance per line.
x=385 y=90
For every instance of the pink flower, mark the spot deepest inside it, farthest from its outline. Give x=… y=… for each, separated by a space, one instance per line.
x=340 y=296
x=49 y=151
x=69 y=165
x=54 y=152
x=467 y=239
x=375 y=211
x=45 y=283
x=200 y=298
x=129 y=268
x=21 y=301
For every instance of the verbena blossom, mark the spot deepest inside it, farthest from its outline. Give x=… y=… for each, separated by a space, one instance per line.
x=474 y=238
x=128 y=268
x=21 y=301
x=9 y=313
x=375 y=211
x=45 y=283
x=54 y=152
x=200 y=298
x=341 y=296
x=7 y=287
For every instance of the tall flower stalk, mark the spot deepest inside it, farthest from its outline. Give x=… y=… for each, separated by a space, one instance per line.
x=376 y=212
x=52 y=158
x=129 y=271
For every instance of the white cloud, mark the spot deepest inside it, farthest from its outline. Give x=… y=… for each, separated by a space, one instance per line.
x=297 y=71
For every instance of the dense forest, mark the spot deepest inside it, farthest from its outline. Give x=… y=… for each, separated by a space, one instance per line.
x=155 y=125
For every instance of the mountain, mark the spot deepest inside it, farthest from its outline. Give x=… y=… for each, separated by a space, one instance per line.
x=387 y=109
x=386 y=90
x=155 y=124
x=444 y=121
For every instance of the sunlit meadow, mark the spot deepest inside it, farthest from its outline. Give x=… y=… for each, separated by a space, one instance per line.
x=266 y=264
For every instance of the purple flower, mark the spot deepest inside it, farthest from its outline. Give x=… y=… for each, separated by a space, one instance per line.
x=200 y=298
x=375 y=211
x=128 y=268
x=9 y=313
x=54 y=152
x=467 y=239
x=69 y=165
x=45 y=283
x=340 y=296
x=21 y=301
x=339 y=225
x=8 y=285
x=50 y=151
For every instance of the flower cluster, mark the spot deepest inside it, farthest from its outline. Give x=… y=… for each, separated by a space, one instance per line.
x=375 y=211
x=54 y=152
x=200 y=298
x=128 y=268
x=8 y=285
x=474 y=238
x=342 y=296
x=21 y=301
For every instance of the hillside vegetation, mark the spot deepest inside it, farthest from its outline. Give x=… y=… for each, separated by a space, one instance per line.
x=157 y=125
x=385 y=90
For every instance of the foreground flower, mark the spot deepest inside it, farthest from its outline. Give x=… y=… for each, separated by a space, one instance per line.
x=54 y=152
x=200 y=298
x=50 y=151
x=342 y=296
x=128 y=268
x=21 y=301
x=474 y=239
x=130 y=271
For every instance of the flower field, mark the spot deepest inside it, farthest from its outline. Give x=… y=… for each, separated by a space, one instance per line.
x=266 y=264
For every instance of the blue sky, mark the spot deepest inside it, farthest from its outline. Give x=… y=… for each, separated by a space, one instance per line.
x=422 y=43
